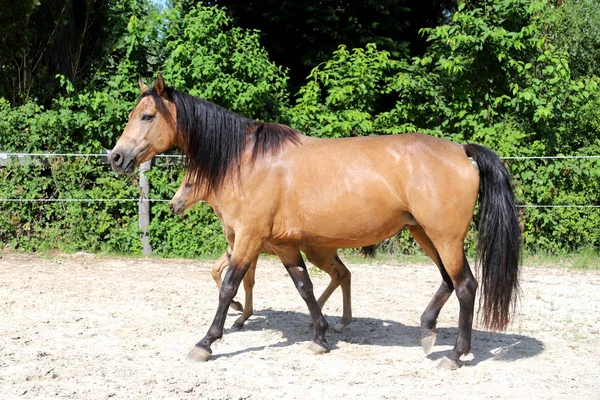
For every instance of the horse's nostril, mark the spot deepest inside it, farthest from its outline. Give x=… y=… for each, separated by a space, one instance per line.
x=116 y=159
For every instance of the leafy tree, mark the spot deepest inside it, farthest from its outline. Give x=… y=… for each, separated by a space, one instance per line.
x=576 y=29
x=341 y=96
x=208 y=57
x=40 y=39
x=491 y=75
x=302 y=34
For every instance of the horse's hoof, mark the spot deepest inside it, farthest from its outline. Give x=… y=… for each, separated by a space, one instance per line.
x=237 y=325
x=340 y=325
x=428 y=342
x=316 y=348
x=447 y=363
x=199 y=354
x=237 y=306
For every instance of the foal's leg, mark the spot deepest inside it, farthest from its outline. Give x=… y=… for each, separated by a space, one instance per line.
x=294 y=264
x=431 y=313
x=245 y=253
x=248 y=309
x=344 y=277
x=327 y=260
x=216 y=272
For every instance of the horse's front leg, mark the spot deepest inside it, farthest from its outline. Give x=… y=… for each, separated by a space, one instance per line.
x=294 y=264
x=245 y=253
x=216 y=272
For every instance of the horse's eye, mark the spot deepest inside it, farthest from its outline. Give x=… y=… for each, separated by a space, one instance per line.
x=147 y=117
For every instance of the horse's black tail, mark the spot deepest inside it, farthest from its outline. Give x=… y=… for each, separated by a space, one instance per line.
x=499 y=239
x=369 y=251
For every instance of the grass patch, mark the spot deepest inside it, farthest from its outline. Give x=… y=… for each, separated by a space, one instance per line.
x=584 y=259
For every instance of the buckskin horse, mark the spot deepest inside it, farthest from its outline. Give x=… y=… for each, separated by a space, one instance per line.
x=269 y=184
x=324 y=258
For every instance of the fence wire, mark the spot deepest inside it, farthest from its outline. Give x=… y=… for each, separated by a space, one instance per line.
x=5 y=156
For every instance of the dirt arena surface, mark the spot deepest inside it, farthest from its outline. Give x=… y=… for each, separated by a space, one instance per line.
x=86 y=327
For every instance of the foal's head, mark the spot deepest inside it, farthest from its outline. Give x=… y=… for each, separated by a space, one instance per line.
x=187 y=195
x=151 y=128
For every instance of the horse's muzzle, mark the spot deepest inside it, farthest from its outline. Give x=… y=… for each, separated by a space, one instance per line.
x=177 y=207
x=121 y=163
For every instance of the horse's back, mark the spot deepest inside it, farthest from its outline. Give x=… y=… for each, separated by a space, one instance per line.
x=357 y=191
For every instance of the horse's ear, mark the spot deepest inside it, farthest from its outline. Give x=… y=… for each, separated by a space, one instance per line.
x=159 y=85
x=143 y=86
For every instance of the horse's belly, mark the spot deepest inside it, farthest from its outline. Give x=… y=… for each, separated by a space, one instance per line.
x=361 y=226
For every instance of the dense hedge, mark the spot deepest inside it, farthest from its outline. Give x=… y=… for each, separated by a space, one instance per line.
x=498 y=76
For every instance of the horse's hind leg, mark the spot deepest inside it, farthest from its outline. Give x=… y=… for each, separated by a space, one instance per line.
x=431 y=313
x=216 y=272
x=455 y=262
x=329 y=261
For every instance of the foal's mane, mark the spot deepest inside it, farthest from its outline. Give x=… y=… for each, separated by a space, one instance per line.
x=213 y=139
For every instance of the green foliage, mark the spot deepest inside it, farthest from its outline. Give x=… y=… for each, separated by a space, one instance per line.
x=302 y=34
x=64 y=225
x=196 y=233
x=209 y=58
x=340 y=97
x=492 y=76
x=576 y=29
x=518 y=76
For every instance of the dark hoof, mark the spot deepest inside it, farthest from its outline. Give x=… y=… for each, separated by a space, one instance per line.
x=237 y=326
x=447 y=363
x=236 y=305
x=316 y=348
x=199 y=354
x=428 y=342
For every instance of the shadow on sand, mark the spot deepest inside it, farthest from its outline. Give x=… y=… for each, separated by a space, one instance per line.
x=295 y=327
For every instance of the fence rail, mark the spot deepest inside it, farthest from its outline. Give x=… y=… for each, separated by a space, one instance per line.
x=30 y=159
x=42 y=159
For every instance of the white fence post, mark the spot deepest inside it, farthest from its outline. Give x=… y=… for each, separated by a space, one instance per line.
x=144 y=208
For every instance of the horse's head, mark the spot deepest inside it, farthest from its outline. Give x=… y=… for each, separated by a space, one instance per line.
x=187 y=195
x=151 y=129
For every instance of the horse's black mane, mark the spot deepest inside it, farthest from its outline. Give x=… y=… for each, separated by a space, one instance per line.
x=213 y=138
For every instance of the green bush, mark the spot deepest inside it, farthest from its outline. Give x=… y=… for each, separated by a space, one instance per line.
x=513 y=75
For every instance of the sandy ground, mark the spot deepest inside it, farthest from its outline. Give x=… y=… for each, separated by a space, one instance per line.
x=87 y=327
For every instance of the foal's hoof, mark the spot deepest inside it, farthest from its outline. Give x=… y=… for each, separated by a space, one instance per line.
x=236 y=305
x=340 y=325
x=447 y=363
x=316 y=348
x=237 y=326
x=428 y=342
x=199 y=354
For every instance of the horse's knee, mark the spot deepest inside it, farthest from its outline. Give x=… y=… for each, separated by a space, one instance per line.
x=227 y=292
x=305 y=289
